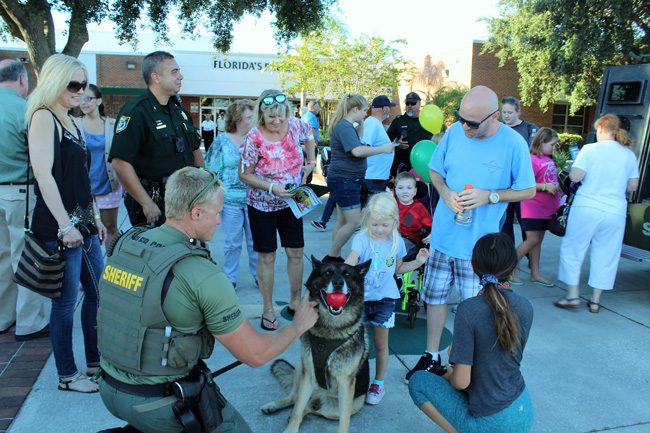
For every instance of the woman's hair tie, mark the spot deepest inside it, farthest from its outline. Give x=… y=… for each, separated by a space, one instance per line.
x=489 y=279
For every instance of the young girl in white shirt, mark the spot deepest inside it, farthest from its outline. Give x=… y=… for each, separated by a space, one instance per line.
x=380 y=241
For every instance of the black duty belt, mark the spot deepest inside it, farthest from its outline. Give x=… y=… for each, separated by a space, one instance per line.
x=14 y=183
x=158 y=390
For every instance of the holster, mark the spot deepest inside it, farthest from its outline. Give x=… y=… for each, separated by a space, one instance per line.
x=200 y=401
x=156 y=190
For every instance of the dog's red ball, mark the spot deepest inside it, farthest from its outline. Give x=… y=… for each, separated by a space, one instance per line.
x=336 y=299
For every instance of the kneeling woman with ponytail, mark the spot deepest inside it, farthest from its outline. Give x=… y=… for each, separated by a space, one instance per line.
x=483 y=389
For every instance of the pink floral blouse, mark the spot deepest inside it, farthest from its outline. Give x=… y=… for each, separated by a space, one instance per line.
x=279 y=162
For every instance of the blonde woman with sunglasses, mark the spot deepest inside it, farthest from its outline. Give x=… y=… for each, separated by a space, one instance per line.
x=272 y=166
x=65 y=213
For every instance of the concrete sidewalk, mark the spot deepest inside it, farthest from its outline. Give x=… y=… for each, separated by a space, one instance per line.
x=586 y=372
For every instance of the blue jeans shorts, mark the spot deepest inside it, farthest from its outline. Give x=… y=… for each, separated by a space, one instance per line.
x=346 y=192
x=380 y=313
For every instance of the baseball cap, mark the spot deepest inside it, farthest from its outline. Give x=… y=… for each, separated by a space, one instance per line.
x=382 y=101
x=412 y=96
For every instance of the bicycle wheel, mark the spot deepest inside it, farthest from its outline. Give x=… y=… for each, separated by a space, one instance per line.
x=412 y=314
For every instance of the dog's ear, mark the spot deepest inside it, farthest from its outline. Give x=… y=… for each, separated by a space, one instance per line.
x=362 y=268
x=315 y=263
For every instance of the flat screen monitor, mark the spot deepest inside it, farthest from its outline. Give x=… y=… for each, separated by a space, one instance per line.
x=626 y=92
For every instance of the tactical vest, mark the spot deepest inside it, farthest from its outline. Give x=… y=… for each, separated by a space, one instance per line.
x=133 y=332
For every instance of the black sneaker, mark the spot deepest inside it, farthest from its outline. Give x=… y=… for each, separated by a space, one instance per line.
x=426 y=363
x=319 y=225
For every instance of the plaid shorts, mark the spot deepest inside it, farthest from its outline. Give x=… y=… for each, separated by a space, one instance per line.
x=443 y=273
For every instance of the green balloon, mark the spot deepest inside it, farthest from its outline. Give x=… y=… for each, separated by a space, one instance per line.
x=420 y=156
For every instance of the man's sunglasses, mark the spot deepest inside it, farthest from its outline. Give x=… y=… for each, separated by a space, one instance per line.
x=214 y=181
x=470 y=123
x=270 y=100
x=411 y=103
x=75 y=86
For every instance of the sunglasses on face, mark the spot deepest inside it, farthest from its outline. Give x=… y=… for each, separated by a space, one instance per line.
x=214 y=181
x=75 y=86
x=411 y=103
x=270 y=100
x=470 y=123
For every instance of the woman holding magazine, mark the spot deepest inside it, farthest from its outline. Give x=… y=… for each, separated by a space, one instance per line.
x=272 y=166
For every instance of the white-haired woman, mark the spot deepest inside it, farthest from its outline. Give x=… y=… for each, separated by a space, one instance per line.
x=272 y=163
x=65 y=212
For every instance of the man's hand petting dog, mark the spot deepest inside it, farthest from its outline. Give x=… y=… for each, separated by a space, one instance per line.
x=306 y=314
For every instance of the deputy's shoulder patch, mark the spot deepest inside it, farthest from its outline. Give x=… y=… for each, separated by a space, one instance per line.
x=122 y=123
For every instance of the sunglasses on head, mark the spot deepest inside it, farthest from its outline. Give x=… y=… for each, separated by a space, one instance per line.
x=470 y=123
x=270 y=100
x=75 y=86
x=411 y=103
x=214 y=181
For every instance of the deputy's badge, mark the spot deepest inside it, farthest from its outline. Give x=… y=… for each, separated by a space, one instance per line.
x=122 y=123
x=184 y=115
x=390 y=261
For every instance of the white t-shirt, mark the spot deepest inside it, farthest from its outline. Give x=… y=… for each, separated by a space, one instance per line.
x=608 y=166
x=208 y=125
x=379 y=281
x=375 y=135
x=221 y=124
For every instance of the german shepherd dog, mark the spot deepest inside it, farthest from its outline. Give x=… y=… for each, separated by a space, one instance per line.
x=332 y=377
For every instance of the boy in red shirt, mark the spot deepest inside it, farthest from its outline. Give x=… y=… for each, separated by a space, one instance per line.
x=414 y=218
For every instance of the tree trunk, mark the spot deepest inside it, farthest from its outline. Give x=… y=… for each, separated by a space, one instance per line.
x=32 y=23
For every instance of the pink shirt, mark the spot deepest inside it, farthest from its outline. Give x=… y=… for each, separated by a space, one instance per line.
x=279 y=162
x=543 y=205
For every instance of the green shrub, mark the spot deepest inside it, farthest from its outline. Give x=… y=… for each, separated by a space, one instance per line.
x=566 y=139
x=561 y=159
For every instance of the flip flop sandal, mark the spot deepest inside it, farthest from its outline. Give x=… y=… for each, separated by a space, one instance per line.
x=567 y=303
x=594 y=307
x=272 y=322
x=78 y=383
x=542 y=283
x=516 y=283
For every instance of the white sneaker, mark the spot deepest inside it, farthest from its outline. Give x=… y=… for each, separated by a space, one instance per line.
x=375 y=394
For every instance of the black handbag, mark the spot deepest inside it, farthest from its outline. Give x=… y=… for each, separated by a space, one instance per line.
x=558 y=222
x=41 y=269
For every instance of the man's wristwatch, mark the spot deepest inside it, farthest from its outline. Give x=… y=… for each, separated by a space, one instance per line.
x=494 y=197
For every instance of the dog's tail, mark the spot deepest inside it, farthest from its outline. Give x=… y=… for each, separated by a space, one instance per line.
x=283 y=372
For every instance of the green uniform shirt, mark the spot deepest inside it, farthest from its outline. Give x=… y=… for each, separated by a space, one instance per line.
x=200 y=295
x=156 y=140
x=13 y=138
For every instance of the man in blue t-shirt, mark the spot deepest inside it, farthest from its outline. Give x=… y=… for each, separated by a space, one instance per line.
x=310 y=118
x=479 y=166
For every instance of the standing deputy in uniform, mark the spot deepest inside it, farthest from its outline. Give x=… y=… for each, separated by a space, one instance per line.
x=164 y=301
x=154 y=136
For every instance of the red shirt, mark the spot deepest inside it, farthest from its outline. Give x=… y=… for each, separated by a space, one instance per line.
x=412 y=219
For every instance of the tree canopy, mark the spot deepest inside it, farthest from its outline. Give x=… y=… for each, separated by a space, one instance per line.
x=31 y=20
x=561 y=47
x=328 y=63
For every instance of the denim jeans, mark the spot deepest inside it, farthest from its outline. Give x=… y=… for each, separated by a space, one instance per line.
x=235 y=223
x=84 y=265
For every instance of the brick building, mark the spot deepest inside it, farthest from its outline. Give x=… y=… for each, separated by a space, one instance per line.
x=505 y=82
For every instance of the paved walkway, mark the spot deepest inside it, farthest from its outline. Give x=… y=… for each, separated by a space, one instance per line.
x=586 y=372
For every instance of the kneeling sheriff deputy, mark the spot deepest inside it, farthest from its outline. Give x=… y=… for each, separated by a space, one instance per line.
x=164 y=301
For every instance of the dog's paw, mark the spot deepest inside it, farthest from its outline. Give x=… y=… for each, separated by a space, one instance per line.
x=270 y=408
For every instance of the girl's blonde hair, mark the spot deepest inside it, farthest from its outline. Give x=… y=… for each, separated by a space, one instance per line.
x=612 y=124
x=543 y=136
x=382 y=205
x=274 y=109
x=56 y=73
x=347 y=103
